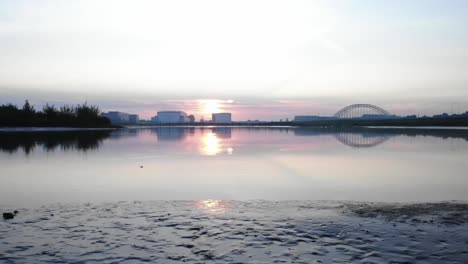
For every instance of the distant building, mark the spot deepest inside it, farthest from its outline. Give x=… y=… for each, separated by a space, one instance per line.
x=307 y=118
x=133 y=119
x=377 y=117
x=191 y=118
x=121 y=118
x=170 y=133
x=222 y=132
x=221 y=118
x=117 y=118
x=171 y=117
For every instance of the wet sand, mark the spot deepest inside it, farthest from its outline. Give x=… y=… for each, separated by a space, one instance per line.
x=237 y=232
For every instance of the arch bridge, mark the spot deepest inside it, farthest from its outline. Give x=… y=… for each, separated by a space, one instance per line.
x=361 y=110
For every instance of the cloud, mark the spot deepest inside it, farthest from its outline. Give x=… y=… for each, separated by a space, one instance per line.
x=127 y=51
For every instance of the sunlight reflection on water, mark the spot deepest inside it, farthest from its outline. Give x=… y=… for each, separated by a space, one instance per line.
x=213 y=206
x=213 y=144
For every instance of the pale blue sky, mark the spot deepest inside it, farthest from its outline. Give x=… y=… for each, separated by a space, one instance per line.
x=317 y=55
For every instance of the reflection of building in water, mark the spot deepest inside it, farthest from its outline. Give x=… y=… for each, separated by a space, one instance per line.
x=173 y=133
x=310 y=132
x=361 y=140
x=222 y=132
x=123 y=133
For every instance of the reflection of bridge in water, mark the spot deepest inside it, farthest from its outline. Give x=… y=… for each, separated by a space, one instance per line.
x=361 y=140
x=352 y=138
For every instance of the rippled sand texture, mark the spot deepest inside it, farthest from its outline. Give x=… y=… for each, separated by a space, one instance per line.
x=234 y=232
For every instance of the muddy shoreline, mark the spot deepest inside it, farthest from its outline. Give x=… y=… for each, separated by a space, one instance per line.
x=215 y=231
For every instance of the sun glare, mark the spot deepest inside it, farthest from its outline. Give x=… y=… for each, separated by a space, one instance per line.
x=212 y=206
x=211 y=144
x=210 y=106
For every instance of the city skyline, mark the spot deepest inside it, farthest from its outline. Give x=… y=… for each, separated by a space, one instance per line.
x=246 y=110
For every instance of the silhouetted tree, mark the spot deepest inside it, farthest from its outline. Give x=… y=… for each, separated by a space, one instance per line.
x=86 y=112
x=67 y=116
x=50 y=111
x=28 y=108
x=67 y=110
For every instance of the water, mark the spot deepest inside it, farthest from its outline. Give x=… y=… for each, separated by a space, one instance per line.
x=187 y=163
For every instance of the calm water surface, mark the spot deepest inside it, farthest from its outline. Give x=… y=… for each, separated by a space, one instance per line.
x=174 y=163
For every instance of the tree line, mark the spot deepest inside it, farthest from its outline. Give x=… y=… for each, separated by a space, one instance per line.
x=51 y=116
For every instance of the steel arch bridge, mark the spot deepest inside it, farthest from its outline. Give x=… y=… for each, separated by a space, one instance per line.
x=359 y=110
x=361 y=140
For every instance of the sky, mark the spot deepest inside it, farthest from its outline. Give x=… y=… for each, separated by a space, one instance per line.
x=263 y=59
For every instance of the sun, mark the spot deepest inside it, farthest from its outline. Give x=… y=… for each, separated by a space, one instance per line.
x=210 y=106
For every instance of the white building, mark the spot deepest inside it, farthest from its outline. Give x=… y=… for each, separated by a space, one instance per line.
x=221 y=118
x=171 y=117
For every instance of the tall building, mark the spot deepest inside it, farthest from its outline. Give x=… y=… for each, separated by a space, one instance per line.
x=221 y=118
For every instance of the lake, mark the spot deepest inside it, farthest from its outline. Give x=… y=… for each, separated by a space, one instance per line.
x=232 y=163
x=234 y=195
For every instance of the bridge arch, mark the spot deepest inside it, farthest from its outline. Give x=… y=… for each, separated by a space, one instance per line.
x=359 y=110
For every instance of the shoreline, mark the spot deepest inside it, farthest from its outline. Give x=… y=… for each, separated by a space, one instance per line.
x=232 y=231
x=385 y=209
x=53 y=129
x=421 y=127
x=236 y=125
